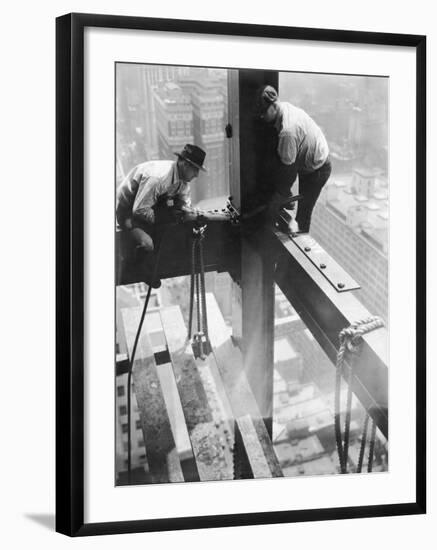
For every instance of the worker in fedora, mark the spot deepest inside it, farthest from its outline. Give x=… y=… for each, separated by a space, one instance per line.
x=301 y=150
x=156 y=192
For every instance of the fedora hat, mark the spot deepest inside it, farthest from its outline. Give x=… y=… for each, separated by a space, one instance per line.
x=194 y=155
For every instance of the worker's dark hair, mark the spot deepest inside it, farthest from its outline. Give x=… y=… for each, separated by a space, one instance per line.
x=265 y=96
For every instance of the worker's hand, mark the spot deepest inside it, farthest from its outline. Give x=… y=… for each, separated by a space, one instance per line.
x=275 y=204
x=271 y=213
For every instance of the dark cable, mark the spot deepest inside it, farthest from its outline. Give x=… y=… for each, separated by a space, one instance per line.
x=129 y=386
x=131 y=362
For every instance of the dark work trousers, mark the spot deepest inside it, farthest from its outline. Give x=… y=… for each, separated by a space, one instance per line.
x=310 y=186
x=139 y=246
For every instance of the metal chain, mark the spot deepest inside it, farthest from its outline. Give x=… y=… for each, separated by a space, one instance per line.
x=193 y=270
x=350 y=339
x=197 y=279
x=198 y=295
x=203 y=289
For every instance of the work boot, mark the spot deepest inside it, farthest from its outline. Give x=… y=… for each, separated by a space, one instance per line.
x=156 y=283
x=146 y=267
x=151 y=280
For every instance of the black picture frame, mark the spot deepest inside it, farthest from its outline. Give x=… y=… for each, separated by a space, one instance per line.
x=70 y=273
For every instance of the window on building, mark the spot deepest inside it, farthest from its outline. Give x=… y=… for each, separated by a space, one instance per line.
x=172 y=113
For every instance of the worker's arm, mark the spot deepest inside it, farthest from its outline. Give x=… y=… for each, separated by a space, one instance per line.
x=183 y=198
x=148 y=194
x=125 y=197
x=277 y=201
x=183 y=205
x=288 y=147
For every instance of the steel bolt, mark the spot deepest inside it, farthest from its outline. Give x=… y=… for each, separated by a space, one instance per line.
x=340 y=285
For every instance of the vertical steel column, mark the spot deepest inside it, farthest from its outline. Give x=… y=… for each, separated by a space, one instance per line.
x=257 y=285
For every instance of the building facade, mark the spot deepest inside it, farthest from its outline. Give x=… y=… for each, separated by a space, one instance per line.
x=174 y=119
x=350 y=222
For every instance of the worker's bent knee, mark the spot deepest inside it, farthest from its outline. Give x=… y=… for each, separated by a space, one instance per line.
x=142 y=241
x=144 y=248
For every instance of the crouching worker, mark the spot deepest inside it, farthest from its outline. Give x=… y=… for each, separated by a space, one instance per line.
x=152 y=193
x=301 y=150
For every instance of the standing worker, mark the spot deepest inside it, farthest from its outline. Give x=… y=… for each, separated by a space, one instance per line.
x=156 y=192
x=302 y=150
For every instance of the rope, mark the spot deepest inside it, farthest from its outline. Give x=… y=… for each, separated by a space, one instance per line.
x=347 y=423
x=371 y=447
x=363 y=444
x=350 y=339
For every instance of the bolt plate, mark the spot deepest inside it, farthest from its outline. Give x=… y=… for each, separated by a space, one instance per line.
x=332 y=271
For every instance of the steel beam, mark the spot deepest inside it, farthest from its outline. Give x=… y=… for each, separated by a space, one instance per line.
x=326 y=312
x=221 y=249
x=249 y=156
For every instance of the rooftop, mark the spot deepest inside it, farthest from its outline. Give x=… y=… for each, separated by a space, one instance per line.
x=361 y=201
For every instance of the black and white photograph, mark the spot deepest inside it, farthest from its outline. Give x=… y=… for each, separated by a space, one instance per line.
x=218 y=253
x=251 y=262
x=240 y=274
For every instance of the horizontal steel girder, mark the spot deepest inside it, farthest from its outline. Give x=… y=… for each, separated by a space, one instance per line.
x=326 y=312
x=221 y=252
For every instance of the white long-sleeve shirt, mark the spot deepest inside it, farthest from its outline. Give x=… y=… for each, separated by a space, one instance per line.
x=145 y=185
x=300 y=140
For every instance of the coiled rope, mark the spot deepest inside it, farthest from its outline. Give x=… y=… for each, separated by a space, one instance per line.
x=350 y=340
